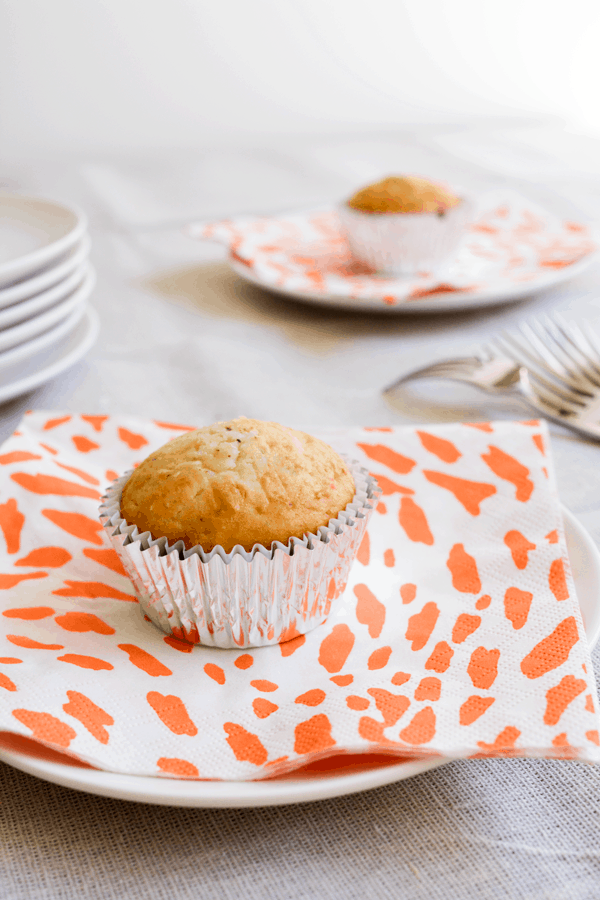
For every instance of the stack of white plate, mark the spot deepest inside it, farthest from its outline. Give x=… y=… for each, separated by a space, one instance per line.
x=46 y=279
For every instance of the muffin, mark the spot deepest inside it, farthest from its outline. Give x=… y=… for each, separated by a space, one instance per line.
x=240 y=482
x=404 y=195
x=404 y=225
x=239 y=534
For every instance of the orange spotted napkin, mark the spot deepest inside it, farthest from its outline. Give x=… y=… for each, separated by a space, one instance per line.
x=459 y=633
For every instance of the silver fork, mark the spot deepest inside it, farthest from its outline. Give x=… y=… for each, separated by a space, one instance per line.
x=552 y=366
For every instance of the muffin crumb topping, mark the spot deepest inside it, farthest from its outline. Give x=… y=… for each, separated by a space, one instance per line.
x=407 y=194
x=240 y=482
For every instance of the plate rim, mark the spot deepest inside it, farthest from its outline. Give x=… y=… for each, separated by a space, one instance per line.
x=29 y=348
x=18 y=268
x=30 y=307
x=238 y=794
x=31 y=328
x=447 y=302
x=89 y=317
x=48 y=278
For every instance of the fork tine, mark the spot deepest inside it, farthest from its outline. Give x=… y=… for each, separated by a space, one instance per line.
x=547 y=402
x=581 y=372
x=576 y=338
x=559 y=390
x=554 y=394
x=590 y=340
x=511 y=342
x=555 y=390
x=549 y=408
x=543 y=335
x=541 y=347
x=517 y=350
x=553 y=352
x=587 y=341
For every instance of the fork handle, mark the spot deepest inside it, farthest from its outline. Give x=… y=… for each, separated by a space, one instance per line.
x=444 y=368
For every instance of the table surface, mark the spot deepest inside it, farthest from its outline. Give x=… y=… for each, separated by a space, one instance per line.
x=183 y=339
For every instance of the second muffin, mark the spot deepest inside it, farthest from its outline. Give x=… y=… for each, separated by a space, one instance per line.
x=404 y=225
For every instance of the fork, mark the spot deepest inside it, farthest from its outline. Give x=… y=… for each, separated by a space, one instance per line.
x=554 y=367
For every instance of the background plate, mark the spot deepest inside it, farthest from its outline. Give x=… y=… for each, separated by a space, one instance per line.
x=437 y=303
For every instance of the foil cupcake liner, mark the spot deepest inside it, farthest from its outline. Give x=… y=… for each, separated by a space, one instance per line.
x=241 y=598
x=405 y=243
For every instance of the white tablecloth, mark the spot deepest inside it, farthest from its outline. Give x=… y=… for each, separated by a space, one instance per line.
x=184 y=340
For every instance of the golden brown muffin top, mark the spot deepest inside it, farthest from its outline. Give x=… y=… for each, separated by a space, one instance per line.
x=239 y=482
x=407 y=194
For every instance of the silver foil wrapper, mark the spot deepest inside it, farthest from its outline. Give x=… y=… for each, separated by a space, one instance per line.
x=405 y=243
x=241 y=598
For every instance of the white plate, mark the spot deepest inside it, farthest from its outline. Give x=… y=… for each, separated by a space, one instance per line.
x=438 y=303
x=33 y=233
x=27 y=309
x=52 y=275
x=80 y=331
x=32 y=352
x=512 y=249
x=585 y=564
x=18 y=334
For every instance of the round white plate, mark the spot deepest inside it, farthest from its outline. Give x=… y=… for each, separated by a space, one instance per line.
x=18 y=334
x=585 y=564
x=50 y=276
x=438 y=303
x=31 y=352
x=33 y=233
x=80 y=331
x=27 y=309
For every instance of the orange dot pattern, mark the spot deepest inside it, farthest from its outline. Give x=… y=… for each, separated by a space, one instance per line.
x=458 y=633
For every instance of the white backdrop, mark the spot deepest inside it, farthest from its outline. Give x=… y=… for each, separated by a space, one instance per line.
x=102 y=75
